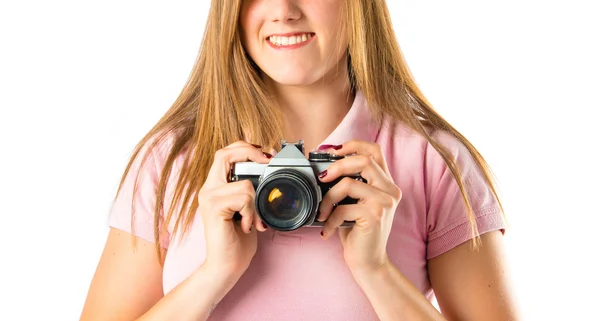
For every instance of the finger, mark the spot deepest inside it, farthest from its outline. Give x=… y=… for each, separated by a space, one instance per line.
x=344 y=213
x=239 y=187
x=354 y=189
x=258 y=224
x=226 y=206
x=361 y=148
x=242 y=143
x=360 y=164
x=224 y=158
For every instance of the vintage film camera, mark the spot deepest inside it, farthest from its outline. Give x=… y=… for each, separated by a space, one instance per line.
x=288 y=191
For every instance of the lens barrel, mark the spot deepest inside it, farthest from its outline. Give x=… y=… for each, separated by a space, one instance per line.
x=286 y=199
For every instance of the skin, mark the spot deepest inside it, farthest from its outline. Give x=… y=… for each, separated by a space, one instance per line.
x=313 y=94
x=310 y=83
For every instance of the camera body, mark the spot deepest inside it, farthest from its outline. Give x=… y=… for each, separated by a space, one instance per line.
x=288 y=191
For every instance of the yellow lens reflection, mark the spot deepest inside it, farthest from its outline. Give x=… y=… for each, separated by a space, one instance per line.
x=275 y=193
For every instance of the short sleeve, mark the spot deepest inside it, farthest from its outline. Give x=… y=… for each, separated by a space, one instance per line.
x=143 y=201
x=447 y=222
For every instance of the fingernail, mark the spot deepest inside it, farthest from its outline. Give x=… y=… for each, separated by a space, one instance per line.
x=257 y=146
x=267 y=155
x=322 y=235
x=323 y=174
x=264 y=225
x=336 y=147
x=319 y=218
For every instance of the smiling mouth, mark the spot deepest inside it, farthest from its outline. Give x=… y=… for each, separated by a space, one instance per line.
x=289 y=40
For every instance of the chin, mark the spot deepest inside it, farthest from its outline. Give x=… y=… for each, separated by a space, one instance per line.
x=293 y=78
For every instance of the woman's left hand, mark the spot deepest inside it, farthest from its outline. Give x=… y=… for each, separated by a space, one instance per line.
x=365 y=242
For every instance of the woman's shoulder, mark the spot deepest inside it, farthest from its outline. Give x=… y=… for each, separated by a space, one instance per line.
x=137 y=194
x=156 y=150
x=400 y=141
x=431 y=190
x=414 y=161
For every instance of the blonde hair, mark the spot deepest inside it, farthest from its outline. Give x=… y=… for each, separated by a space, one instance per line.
x=224 y=100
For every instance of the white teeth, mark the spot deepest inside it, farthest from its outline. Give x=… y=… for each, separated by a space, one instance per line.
x=285 y=41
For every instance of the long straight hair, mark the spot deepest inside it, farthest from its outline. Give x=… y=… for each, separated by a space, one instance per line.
x=225 y=100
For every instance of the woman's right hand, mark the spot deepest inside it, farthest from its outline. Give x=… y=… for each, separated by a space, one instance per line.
x=230 y=245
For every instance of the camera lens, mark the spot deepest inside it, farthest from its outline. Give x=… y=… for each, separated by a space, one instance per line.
x=285 y=200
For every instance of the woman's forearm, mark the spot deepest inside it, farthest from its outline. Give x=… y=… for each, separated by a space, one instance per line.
x=194 y=298
x=392 y=295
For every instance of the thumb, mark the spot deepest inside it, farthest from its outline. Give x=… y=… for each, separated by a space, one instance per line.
x=343 y=232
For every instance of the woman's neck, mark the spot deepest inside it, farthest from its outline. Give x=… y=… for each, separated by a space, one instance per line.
x=312 y=112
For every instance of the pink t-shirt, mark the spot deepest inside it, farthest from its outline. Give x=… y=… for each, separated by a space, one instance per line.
x=297 y=275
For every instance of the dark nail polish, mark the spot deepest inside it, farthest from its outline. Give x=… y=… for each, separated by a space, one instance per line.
x=264 y=225
x=323 y=174
x=257 y=146
x=267 y=155
x=327 y=146
x=322 y=147
x=322 y=233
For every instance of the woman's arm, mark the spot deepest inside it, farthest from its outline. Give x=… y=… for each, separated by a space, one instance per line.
x=127 y=285
x=193 y=299
x=393 y=297
x=474 y=285
x=469 y=285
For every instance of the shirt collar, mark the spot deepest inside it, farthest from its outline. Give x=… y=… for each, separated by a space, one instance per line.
x=358 y=124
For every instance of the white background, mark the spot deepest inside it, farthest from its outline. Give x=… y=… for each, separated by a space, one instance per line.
x=82 y=81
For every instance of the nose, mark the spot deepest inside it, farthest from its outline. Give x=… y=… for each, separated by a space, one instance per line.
x=284 y=10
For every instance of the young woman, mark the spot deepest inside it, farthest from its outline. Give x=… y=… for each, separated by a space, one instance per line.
x=428 y=222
